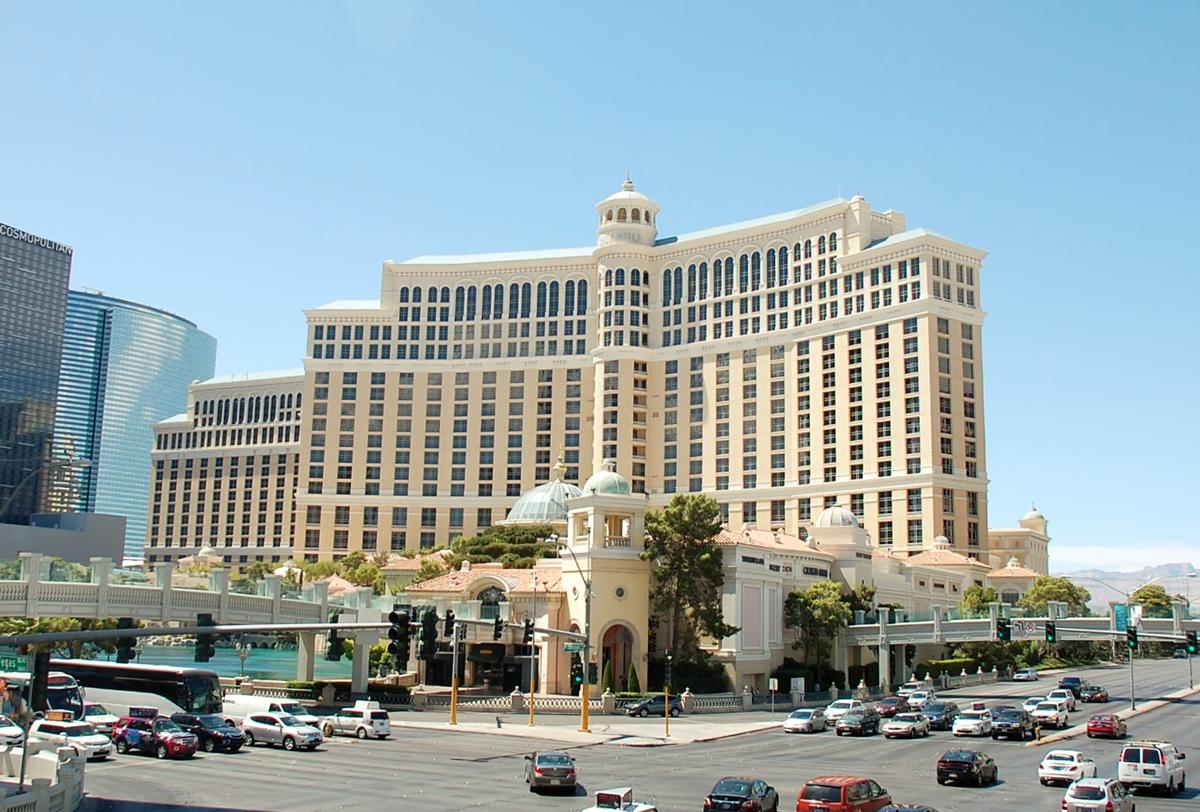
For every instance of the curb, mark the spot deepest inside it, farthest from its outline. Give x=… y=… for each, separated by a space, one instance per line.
x=1146 y=707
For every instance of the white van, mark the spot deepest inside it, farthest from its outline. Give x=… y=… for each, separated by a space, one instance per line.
x=236 y=707
x=1152 y=765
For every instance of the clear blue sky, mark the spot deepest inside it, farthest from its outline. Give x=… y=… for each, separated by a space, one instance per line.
x=237 y=162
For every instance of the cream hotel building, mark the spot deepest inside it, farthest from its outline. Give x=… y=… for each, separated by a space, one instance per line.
x=819 y=357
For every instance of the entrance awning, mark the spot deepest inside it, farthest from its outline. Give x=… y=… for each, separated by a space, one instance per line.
x=486 y=653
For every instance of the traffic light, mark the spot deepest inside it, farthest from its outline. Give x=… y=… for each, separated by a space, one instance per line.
x=398 y=634
x=576 y=674
x=527 y=633
x=336 y=649
x=125 y=645
x=449 y=623
x=428 y=646
x=1003 y=632
x=1131 y=637
x=41 y=679
x=1051 y=633
x=667 y=673
x=204 y=642
x=593 y=674
x=497 y=628
x=1191 y=642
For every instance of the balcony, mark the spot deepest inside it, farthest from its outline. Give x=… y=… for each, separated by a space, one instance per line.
x=616 y=541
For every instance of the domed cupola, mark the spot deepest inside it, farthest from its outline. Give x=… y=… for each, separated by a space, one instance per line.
x=627 y=216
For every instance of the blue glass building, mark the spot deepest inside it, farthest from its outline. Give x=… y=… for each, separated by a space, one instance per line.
x=125 y=366
x=34 y=274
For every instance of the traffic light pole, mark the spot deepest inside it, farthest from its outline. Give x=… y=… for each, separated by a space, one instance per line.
x=1132 y=651
x=454 y=678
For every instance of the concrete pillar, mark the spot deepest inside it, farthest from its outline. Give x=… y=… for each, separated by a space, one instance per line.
x=938 y=634
x=306 y=650
x=219 y=580
x=101 y=576
x=885 y=651
x=361 y=666
x=1178 y=613
x=747 y=698
x=31 y=574
x=162 y=577
x=274 y=588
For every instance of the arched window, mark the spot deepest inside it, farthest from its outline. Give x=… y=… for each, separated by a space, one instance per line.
x=783 y=265
x=755 y=271
x=703 y=280
x=691 y=283
x=807 y=249
x=646 y=279
x=666 y=286
x=678 y=284
x=541 y=299
x=620 y=279
x=581 y=298
x=498 y=304
x=608 y=278
x=445 y=295
x=728 y=275
x=743 y=273
x=770 y=267
x=620 y=215
x=487 y=302
x=416 y=293
x=821 y=245
x=471 y=303
x=718 y=288
x=608 y=215
x=637 y=215
x=635 y=278
x=403 y=294
x=514 y=300
x=460 y=302
x=569 y=298
x=553 y=311
x=489 y=602
x=274 y=404
x=289 y=401
x=833 y=241
x=431 y=296
x=647 y=217
x=526 y=299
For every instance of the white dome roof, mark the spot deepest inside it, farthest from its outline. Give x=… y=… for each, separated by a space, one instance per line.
x=545 y=504
x=607 y=481
x=835 y=516
x=1033 y=515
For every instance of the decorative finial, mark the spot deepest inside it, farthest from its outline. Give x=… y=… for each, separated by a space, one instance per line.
x=628 y=184
x=560 y=468
x=609 y=465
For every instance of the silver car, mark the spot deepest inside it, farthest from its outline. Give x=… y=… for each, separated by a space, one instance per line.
x=804 y=720
x=550 y=769
x=1088 y=794
x=282 y=729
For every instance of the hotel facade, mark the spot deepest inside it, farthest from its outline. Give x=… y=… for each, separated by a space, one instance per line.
x=824 y=357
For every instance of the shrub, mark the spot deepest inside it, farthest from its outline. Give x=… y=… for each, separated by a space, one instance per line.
x=632 y=685
x=606 y=680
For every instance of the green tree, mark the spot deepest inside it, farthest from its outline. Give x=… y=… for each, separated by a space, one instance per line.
x=515 y=546
x=76 y=649
x=1154 y=599
x=62 y=570
x=606 y=679
x=976 y=598
x=430 y=568
x=367 y=574
x=1048 y=588
x=688 y=571
x=632 y=685
x=10 y=570
x=816 y=613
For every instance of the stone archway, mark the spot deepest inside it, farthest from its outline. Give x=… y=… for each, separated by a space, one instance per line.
x=618 y=646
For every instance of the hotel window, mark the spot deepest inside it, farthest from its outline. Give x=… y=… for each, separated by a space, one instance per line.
x=915 y=532
x=914 y=501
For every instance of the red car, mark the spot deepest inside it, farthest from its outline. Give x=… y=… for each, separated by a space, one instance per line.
x=891 y=705
x=1106 y=724
x=159 y=736
x=842 y=793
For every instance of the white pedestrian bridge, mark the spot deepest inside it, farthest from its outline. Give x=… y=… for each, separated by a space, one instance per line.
x=33 y=596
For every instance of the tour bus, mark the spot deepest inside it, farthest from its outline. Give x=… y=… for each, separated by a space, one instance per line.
x=120 y=686
x=63 y=693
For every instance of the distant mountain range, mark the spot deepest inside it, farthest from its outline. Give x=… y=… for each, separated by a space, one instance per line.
x=1110 y=586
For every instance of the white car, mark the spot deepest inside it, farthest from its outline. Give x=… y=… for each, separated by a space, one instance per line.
x=1049 y=713
x=1064 y=695
x=79 y=735
x=913 y=685
x=10 y=732
x=620 y=799
x=804 y=720
x=1152 y=765
x=98 y=717
x=282 y=729
x=1032 y=702
x=364 y=720
x=973 y=723
x=919 y=699
x=1025 y=675
x=838 y=709
x=1098 y=795
x=909 y=725
x=1065 y=766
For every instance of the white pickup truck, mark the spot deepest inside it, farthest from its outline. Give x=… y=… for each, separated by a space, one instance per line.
x=364 y=720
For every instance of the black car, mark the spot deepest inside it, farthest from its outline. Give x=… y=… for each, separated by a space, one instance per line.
x=742 y=794
x=941 y=714
x=1074 y=684
x=966 y=766
x=1093 y=693
x=212 y=730
x=862 y=722
x=891 y=705
x=1012 y=723
x=655 y=706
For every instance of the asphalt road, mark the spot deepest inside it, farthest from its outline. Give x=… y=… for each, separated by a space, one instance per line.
x=457 y=771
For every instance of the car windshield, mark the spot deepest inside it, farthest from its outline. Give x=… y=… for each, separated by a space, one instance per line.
x=554 y=760
x=891 y=700
x=908 y=717
x=959 y=755
x=935 y=707
x=821 y=792
x=79 y=730
x=1102 y=717
x=166 y=726
x=1047 y=706
x=1060 y=757
x=841 y=704
x=96 y=710
x=1086 y=792
x=974 y=716
x=210 y=721
x=1009 y=715
x=6 y=722
x=289 y=721
x=802 y=714
x=732 y=786
x=852 y=716
x=292 y=707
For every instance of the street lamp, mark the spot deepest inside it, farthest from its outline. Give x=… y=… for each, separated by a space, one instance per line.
x=1187 y=596
x=587 y=634
x=12 y=496
x=1128 y=619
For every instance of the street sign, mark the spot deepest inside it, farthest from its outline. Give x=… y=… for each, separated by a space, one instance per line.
x=572 y=647
x=11 y=663
x=1122 y=616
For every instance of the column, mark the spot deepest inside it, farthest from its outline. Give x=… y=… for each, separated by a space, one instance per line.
x=101 y=575
x=885 y=652
x=31 y=574
x=162 y=577
x=360 y=671
x=306 y=649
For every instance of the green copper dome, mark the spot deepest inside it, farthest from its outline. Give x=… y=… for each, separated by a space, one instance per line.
x=607 y=481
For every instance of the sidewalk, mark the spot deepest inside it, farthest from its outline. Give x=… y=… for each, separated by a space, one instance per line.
x=613 y=730
x=1144 y=707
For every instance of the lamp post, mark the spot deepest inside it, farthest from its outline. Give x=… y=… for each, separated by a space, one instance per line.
x=1187 y=596
x=54 y=466
x=587 y=634
x=1128 y=620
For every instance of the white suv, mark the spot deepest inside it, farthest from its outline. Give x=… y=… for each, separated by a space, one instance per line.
x=841 y=707
x=1098 y=795
x=78 y=735
x=973 y=723
x=1064 y=695
x=1051 y=713
x=1152 y=765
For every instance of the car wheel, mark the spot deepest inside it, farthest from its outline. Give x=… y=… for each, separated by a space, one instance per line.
x=209 y=745
x=1182 y=781
x=1170 y=787
x=941 y=780
x=362 y=732
x=249 y=739
x=675 y=712
x=289 y=743
x=122 y=746
x=327 y=731
x=161 y=751
x=643 y=713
